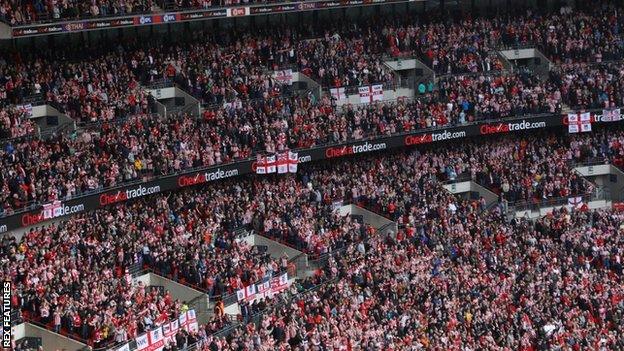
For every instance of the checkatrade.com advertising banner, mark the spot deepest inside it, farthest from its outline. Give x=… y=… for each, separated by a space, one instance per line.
x=211 y=174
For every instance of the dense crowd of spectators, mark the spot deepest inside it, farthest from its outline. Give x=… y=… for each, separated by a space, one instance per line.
x=468 y=44
x=55 y=268
x=469 y=282
x=571 y=36
x=14 y=123
x=454 y=278
x=96 y=88
x=18 y=12
x=146 y=145
x=187 y=236
x=105 y=83
x=520 y=170
x=592 y=86
x=605 y=145
x=191 y=236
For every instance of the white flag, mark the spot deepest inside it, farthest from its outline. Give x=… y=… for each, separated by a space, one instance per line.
x=261 y=165
x=377 y=92
x=240 y=294
x=282 y=162
x=585 y=122
x=293 y=160
x=270 y=164
x=338 y=93
x=366 y=94
x=142 y=342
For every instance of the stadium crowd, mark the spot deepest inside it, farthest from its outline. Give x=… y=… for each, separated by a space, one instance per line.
x=457 y=276
x=521 y=170
x=14 y=123
x=97 y=88
x=191 y=236
x=18 y=12
x=145 y=145
x=602 y=146
x=473 y=283
x=335 y=55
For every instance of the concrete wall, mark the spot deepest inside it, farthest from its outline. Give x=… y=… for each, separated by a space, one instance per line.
x=41 y=111
x=470 y=186
x=370 y=218
x=49 y=340
x=543 y=211
x=275 y=249
x=194 y=298
x=177 y=290
x=520 y=54
x=541 y=69
x=407 y=68
x=165 y=97
x=407 y=64
x=163 y=93
x=312 y=84
x=161 y=109
x=5 y=31
x=607 y=178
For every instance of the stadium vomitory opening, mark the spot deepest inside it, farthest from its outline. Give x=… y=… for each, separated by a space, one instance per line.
x=376 y=175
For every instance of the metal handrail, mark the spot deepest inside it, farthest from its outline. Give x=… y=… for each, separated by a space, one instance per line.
x=524 y=205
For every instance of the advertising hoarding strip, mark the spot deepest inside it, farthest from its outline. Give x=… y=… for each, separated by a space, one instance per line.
x=225 y=171
x=188 y=15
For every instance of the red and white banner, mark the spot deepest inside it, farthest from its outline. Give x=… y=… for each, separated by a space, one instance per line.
x=282 y=162
x=371 y=93
x=271 y=164
x=579 y=122
x=293 y=160
x=279 y=284
x=266 y=289
x=265 y=164
x=169 y=330
x=248 y=293
x=338 y=94
x=577 y=203
x=190 y=324
x=284 y=76
x=261 y=167
x=155 y=340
